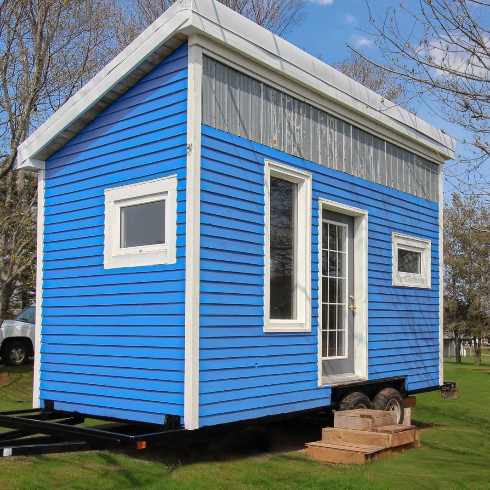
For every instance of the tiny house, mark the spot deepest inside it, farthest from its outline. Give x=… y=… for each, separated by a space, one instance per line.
x=231 y=229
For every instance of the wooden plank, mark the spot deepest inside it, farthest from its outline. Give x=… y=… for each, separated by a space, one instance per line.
x=363 y=419
x=409 y=401
x=395 y=428
x=357 y=436
x=343 y=453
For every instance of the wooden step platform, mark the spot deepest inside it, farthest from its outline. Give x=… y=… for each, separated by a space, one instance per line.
x=352 y=445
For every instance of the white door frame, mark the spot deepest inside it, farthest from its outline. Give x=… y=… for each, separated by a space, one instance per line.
x=360 y=292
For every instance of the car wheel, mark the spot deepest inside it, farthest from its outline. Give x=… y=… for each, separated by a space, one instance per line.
x=390 y=399
x=354 y=401
x=15 y=353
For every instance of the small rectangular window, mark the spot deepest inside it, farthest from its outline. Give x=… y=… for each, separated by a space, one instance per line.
x=140 y=224
x=143 y=224
x=411 y=261
x=288 y=249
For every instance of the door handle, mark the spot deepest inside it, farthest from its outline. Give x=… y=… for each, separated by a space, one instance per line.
x=352 y=307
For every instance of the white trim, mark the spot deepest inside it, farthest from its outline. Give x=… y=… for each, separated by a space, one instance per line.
x=302 y=322
x=193 y=239
x=441 y=278
x=226 y=27
x=360 y=292
x=33 y=164
x=163 y=189
x=418 y=245
x=39 y=289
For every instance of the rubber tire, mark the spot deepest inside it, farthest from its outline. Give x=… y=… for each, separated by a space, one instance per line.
x=390 y=399
x=354 y=401
x=15 y=353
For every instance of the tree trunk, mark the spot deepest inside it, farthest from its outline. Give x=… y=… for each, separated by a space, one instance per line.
x=457 y=346
x=477 y=343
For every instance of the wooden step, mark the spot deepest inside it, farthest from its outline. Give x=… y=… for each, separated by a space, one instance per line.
x=342 y=452
x=381 y=436
x=363 y=419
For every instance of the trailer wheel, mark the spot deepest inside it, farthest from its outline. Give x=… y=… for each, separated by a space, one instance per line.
x=390 y=399
x=15 y=353
x=355 y=400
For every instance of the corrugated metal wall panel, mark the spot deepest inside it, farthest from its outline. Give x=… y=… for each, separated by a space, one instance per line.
x=113 y=340
x=245 y=373
x=241 y=105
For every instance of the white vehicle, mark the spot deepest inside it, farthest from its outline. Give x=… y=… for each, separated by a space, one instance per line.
x=17 y=337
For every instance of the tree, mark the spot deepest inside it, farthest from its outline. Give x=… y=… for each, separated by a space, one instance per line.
x=48 y=50
x=467 y=272
x=277 y=16
x=442 y=49
x=373 y=76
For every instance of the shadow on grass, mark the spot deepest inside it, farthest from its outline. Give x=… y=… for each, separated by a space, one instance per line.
x=278 y=437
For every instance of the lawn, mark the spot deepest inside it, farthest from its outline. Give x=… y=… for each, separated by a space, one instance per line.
x=455 y=451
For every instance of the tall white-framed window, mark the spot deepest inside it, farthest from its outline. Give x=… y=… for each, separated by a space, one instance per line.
x=140 y=224
x=411 y=261
x=287 y=249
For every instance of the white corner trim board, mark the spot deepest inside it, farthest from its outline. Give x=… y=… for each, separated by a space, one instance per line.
x=193 y=240
x=39 y=290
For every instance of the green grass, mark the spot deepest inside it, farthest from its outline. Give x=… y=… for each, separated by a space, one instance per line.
x=455 y=452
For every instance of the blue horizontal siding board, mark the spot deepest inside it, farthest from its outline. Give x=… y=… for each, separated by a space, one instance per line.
x=97 y=322
x=105 y=372
x=268 y=382
x=113 y=362
x=248 y=374
x=267 y=400
x=118 y=340
x=143 y=330
x=407 y=316
x=135 y=351
x=162 y=319
x=132 y=413
x=114 y=381
x=110 y=403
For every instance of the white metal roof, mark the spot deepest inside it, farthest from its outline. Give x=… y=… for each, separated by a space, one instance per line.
x=213 y=20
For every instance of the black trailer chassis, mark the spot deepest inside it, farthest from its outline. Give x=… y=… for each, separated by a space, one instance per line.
x=45 y=431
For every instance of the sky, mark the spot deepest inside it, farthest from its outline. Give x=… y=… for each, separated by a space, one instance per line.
x=331 y=25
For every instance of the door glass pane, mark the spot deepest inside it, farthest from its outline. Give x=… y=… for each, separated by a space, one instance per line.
x=143 y=224
x=334 y=283
x=409 y=261
x=282 y=248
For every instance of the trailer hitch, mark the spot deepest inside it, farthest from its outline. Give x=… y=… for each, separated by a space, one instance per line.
x=448 y=390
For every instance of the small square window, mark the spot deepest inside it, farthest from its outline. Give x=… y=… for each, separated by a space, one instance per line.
x=140 y=224
x=411 y=261
x=143 y=224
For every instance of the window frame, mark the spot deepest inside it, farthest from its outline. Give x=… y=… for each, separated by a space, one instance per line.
x=302 y=288
x=412 y=244
x=162 y=189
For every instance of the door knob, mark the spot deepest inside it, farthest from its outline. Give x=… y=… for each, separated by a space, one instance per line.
x=352 y=307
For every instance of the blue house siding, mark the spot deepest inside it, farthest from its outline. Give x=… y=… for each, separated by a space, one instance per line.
x=113 y=340
x=245 y=373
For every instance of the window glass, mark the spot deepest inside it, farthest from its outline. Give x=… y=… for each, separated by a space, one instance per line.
x=28 y=315
x=143 y=224
x=409 y=261
x=282 y=248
